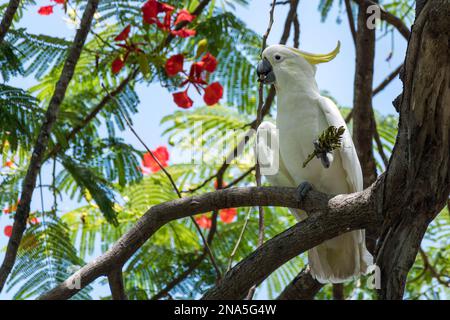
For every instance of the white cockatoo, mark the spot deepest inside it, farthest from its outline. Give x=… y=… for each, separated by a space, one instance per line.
x=302 y=115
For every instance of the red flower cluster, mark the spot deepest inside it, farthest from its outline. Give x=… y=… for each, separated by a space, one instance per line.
x=226 y=215
x=48 y=10
x=150 y=165
x=11 y=209
x=33 y=220
x=151 y=11
x=9 y=164
x=204 y=221
x=197 y=77
x=8 y=231
x=129 y=47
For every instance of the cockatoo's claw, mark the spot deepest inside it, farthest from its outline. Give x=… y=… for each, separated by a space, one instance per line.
x=327 y=159
x=303 y=189
x=325 y=156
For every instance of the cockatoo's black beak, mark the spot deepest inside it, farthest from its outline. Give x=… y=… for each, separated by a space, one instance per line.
x=265 y=72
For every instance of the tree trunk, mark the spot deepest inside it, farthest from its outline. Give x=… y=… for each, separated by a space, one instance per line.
x=29 y=183
x=417 y=182
x=8 y=17
x=363 y=123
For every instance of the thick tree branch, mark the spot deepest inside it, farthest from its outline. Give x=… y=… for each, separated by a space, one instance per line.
x=354 y=210
x=115 y=281
x=303 y=287
x=8 y=17
x=194 y=264
x=29 y=183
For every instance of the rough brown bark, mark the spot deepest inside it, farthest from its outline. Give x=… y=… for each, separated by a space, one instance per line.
x=8 y=18
x=418 y=177
x=303 y=287
x=363 y=122
x=115 y=280
x=338 y=291
x=355 y=211
x=351 y=20
x=29 y=183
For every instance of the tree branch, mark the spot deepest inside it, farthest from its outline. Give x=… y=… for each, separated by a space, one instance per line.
x=351 y=20
x=387 y=80
x=8 y=18
x=93 y=113
x=115 y=280
x=380 y=87
x=388 y=17
x=29 y=183
x=194 y=264
x=354 y=210
x=303 y=287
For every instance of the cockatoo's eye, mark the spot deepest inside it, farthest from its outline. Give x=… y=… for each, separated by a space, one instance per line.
x=277 y=57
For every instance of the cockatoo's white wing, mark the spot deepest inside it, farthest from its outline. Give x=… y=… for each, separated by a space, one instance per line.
x=349 y=157
x=269 y=156
x=266 y=154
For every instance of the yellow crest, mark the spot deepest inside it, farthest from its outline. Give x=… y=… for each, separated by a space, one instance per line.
x=318 y=58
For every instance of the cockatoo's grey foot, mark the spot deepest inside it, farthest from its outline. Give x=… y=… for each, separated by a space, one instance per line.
x=303 y=189
x=325 y=156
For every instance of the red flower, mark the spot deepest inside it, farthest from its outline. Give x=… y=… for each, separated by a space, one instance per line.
x=174 y=65
x=124 y=34
x=117 y=65
x=59 y=1
x=161 y=153
x=46 y=10
x=227 y=215
x=182 y=99
x=184 y=33
x=9 y=164
x=216 y=185
x=165 y=25
x=210 y=62
x=33 y=220
x=213 y=93
x=195 y=74
x=204 y=222
x=184 y=16
x=8 y=231
x=152 y=8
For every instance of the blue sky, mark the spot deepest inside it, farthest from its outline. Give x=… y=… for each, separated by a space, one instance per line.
x=336 y=77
